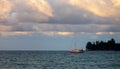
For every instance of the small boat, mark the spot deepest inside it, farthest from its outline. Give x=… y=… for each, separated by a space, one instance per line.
x=76 y=51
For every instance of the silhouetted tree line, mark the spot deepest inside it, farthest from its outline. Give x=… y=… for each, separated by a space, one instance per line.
x=100 y=45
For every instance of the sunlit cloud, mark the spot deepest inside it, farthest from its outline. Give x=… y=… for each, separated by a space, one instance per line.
x=116 y=3
x=5 y=28
x=100 y=33
x=101 y=8
x=13 y=33
x=111 y=33
x=65 y=33
x=57 y=33
x=48 y=33
x=42 y=6
x=5 y=8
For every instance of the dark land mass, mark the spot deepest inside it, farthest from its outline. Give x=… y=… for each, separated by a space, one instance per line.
x=110 y=45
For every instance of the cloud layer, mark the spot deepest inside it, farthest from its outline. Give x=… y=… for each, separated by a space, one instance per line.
x=61 y=17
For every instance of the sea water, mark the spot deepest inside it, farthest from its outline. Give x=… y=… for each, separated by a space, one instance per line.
x=59 y=60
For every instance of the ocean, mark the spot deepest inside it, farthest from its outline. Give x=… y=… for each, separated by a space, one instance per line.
x=59 y=60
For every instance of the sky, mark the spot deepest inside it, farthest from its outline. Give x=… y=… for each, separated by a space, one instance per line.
x=55 y=24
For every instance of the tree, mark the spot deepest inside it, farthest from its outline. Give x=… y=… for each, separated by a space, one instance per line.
x=110 y=45
x=89 y=45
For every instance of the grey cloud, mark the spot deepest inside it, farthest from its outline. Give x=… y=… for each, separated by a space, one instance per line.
x=113 y=28
x=23 y=27
x=71 y=27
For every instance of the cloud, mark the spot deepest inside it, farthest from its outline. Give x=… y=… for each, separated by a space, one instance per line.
x=17 y=17
x=5 y=8
x=72 y=28
x=110 y=33
x=63 y=17
x=32 y=10
x=65 y=33
x=101 y=8
x=5 y=28
x=21 y=11
x=42 y=6
x=22 y=27
x=57 y=33
x=100 y=33
x=116 y=3
x=13 y=33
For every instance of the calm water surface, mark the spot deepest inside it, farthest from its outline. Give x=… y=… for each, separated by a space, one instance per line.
x=59 y=60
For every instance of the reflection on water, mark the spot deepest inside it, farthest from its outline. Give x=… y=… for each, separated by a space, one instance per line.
x=59 y=60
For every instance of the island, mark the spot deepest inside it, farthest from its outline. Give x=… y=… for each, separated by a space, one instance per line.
x=110 y=45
